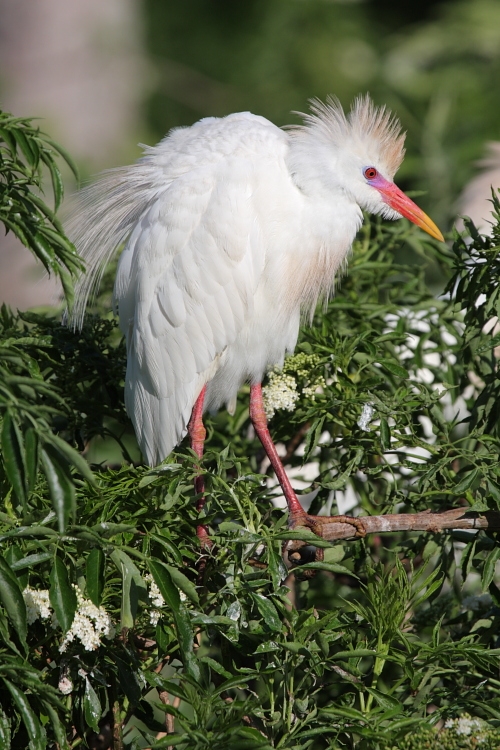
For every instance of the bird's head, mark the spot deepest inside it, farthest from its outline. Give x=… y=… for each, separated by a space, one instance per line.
x=360 y=154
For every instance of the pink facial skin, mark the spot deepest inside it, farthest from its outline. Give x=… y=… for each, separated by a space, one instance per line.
x=396 y=199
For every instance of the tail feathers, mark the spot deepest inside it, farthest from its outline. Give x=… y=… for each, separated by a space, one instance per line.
x=160 y=423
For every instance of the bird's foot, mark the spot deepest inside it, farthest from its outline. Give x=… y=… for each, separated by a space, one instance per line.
x=316 y=523
x=299 y=552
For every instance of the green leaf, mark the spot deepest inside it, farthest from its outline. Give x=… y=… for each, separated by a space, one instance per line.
x=72 y=457
x=156 y=680
x=489 y=568
x=94 y=575
x=268 y=612
x=133 y=587
x=14 y=458
x=13 y=555
x=91 y=706
x=354 y=654
x=61 y=487
x=34 y=729
x=394 y=368
x=62 y=595
x=331 y=567
x=31 y=455
x=384 y=700
x=58 y=727
x=12 y=599
x=182 y=622
x=466 y=482
x=385 y=434
x=183 y=583
x=5 y=735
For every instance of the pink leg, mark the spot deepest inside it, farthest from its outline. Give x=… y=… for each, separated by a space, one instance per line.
x=298 y=516
x=259 y=421
x=197 y=434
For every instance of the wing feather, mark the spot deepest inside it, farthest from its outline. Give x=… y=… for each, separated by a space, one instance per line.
x=187 y=277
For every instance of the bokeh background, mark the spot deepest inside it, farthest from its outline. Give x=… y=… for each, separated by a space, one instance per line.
x=105 y=76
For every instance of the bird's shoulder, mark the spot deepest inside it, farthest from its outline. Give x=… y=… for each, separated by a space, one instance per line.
x=214 y=141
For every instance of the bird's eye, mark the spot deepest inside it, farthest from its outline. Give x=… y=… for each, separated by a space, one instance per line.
x=370 y=173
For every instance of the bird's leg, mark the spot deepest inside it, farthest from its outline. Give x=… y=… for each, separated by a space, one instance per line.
x=197 y=434
x=298 y=516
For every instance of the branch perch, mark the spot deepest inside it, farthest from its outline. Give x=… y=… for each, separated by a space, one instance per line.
x=457 y=518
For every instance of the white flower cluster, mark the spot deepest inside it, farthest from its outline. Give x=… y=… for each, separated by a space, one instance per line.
x=37 y=604
x=279 y=393
x=466 y=725
x=156 y=599
x=89 y=625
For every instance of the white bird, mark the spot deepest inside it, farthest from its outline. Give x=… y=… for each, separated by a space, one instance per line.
x=233 y=228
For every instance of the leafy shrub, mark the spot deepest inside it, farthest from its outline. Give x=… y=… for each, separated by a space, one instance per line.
x=112 y=632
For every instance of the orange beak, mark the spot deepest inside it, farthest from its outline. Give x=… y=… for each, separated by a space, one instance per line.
x=396 y=199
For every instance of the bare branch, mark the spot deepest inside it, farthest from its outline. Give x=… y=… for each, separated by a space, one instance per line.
x=457 y=518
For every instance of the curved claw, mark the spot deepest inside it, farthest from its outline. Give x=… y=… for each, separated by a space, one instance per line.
x=316 y=522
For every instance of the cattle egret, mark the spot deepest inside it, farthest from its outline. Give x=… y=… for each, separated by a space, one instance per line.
x=233 y=227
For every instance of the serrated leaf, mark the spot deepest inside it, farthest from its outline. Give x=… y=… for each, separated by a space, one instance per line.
x=394 y=368
x=156 y=680
x=354 y=654
x=13 y=555
x=57 y=727
x=268 y=611
x=489 y=567
x=61 y=487
x=133 y=587
x=34 y=729
x=94 y=575
x=14 y=458
x=91 y=706
x=183 y=583
x=331 y=567
x=12 y=599
x=385 y=434
x=384 y=700
x=466 y=482
x=72 y=457
x=5 y=733
x=182 y=622
x=233 y=682
x=215 y=666
x=62 y=595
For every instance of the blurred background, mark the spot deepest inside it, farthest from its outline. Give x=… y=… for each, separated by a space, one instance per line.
x=105 y=76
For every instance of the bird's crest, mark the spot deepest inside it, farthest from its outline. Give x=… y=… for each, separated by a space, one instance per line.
x=365 y=124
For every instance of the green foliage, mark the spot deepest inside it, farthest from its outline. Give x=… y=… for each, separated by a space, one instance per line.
x=24 y=151
x=463 y=732
x=112 y=624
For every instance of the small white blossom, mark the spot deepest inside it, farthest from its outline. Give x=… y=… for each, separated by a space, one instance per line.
x=65 y=685
x=366 y=416
x=37 y=604
x=466 y=725
x=157 y=600
x=89 y=624
x=279 y=393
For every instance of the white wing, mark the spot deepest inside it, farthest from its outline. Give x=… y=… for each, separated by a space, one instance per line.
x=187 y=277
